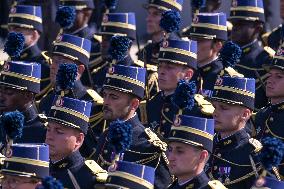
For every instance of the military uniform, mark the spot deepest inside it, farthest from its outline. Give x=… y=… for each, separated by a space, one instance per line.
x=73 y=171
x=253 y=56
x=160 y=111
x=34 y=129
x=269 y=119
x=145 y=147
x=142 y=151
x=79 y=91
x=197 y=133
x=201 y=181
x=232 y=160
x=32 y=53
x=87 y=33
x=250 y=66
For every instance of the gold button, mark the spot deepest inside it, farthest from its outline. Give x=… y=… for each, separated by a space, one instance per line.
x=164 y=121
x=105 y=151
x=167 y=109
x=266 y=131
x=219 y=155
x=271 y=119
x=162 y=133
x=215 y=168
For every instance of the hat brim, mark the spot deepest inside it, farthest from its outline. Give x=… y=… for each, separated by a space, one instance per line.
x=147 y=6
x=107 y=186
x=185 y=142
x=268 y=67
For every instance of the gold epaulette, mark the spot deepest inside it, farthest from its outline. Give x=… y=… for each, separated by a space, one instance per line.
x=43 y=119
x=232 y=72
x=94 y=64
x=155 y=140
x=100 y=173
x=185 y=29
x=95 y=96
x=269 y=51
x=4 y=26
x=2 y=158
x=151 y=67
x=216 y=184
x=256 y=144
x=139 y=63
x=2 y=62
x=229 y=26
x=206 y=106
x=46 y=57
x=98 y=38
x=143 y=112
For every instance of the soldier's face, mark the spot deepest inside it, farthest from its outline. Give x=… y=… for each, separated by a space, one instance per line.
x=62 y=140
x=185 y=160
x=243 y=32
x=117 y=105
x=153 y=20
x=229 y=118
x=275 y=85
x=169 y=75
x=16 y=182
x=12 y=99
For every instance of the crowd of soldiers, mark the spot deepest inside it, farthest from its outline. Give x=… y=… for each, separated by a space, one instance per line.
x=201 y=108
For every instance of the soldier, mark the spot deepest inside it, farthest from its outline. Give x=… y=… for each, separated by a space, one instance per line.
x=113 y=24
x=231 y=161
x=247 y=18
x=68 y=122
x=269 y=118
x=129 y=175
x=177 y=60
x=149 y=54
x=19 y=84
x=72 y=49
x=28 y=21
x=122 y=91
x=190 y=145
x=79 y=27
x=25 y=167
x=210 y=31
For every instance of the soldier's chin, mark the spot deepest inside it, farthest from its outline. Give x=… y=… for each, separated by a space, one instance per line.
x=108 y=116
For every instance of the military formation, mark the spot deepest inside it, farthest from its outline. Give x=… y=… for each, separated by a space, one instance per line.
x=195 y=108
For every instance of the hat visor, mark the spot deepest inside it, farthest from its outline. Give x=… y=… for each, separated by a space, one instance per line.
x=184 y=141
x=121 y=90
x=6 y=172
x=147 y=6
x=13 y=86
x=211 y=99
x=268 y=67
x=64 y=123
x=107 y=186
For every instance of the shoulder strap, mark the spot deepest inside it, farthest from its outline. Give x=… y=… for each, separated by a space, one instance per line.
x=206 y=106
x=143 y=112
x=256 y=144
x=216 y=184
x=95 y=96
x=232 y=72
x=100 y=173
x=46 y=57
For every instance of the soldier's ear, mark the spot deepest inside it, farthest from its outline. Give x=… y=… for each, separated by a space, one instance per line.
x=246 y=113
x=204 y=155
x=81 y=69
x=135 y=103
x=189 y=73
x=79 y=139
